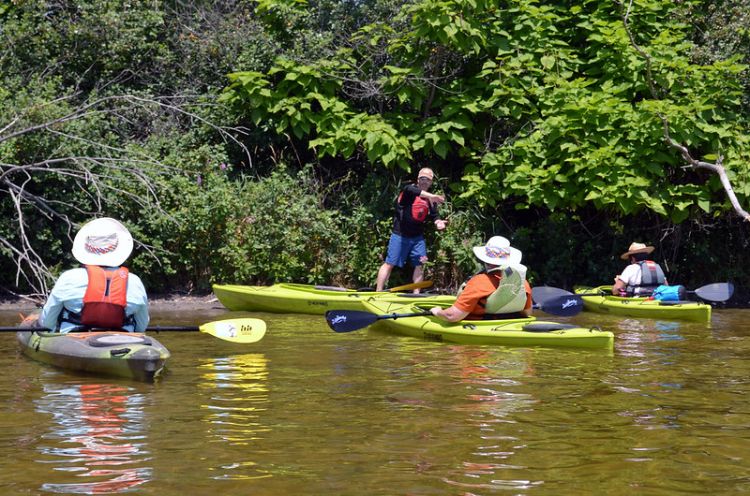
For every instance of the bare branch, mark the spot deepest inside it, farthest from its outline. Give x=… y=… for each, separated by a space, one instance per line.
x=717 y=168
x=97 y=170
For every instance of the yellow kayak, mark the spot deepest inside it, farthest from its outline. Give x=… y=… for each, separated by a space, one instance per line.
x=309 y=299
x=601 y=300
x=529 y=331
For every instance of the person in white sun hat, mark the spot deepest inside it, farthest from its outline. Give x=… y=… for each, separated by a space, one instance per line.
x=642 y=276
x=102 y=293
x=500 y=289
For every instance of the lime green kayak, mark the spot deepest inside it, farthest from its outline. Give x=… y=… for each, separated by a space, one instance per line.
x=601 y=300
x=113 y=353
x=508 y=332
x=308 y=299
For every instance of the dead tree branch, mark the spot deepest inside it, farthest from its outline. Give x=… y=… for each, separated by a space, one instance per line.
x=717 y=168
x=98 y=169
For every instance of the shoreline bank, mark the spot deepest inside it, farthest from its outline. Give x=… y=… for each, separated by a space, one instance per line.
x=157 y=302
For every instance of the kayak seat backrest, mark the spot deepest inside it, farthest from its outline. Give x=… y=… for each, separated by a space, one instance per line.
x=510 y=295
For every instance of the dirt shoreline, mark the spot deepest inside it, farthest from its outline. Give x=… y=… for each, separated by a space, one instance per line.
x=156 y=302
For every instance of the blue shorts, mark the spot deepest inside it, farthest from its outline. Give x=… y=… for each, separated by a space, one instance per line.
x=401 y=249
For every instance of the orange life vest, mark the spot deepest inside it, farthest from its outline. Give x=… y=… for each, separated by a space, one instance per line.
x=106 y=297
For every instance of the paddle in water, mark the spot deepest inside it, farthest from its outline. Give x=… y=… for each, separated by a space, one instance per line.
x=719 y=291
x=241 y=330
x=352 y=320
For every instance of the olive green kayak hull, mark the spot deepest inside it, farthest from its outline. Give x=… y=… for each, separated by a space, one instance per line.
x=308 y=299
x=111 y=353
x=642 y=307
x=510 y=332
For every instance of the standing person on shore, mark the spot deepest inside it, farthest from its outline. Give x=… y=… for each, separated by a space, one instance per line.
x=642 y=276
x=102 y=293
x=415 y=206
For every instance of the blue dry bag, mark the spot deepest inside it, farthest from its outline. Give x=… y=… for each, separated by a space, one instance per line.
x=669 y=293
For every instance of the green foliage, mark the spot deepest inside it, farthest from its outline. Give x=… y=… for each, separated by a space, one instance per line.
x=223 y=230
x=528 y=107
x=452 y=260
x=721 y=31
x=553 y=103
x=280 y=228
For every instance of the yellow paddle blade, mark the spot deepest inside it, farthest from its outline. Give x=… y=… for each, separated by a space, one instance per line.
x=242 y=331
x=414 y=285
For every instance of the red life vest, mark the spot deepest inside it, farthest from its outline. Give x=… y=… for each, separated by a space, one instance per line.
x=106 y=297
x=419 y=208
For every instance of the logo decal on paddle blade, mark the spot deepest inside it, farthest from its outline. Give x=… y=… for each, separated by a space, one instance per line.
x=570 y=303
x=226 y=329
x=338 y=319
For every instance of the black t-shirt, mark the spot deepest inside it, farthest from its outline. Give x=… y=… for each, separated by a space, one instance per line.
x=412 y=211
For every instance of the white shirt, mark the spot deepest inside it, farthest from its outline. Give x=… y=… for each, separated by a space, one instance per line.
x=68 y=295
x=631 y=276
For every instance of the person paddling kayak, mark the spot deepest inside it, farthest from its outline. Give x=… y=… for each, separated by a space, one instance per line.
x=642 y=276
x=414 y=207
x=102 y=293
x=501 y=288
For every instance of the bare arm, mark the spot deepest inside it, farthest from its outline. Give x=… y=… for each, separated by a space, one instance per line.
x=618 y=287
x=451 y=314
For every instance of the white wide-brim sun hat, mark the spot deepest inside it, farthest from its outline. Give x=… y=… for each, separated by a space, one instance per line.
x=103 y=242
x=498 y=251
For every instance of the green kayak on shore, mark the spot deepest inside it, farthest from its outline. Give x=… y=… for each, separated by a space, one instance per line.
x=112 y=353
x=308 y=299
x=507 y=332
x=601 y=300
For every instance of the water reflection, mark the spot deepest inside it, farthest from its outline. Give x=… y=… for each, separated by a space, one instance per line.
x=494 y=382
x=96 y=432
x=635 y=337
x=239 y=395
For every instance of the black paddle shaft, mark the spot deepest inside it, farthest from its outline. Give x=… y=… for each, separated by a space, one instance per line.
x=148 y=329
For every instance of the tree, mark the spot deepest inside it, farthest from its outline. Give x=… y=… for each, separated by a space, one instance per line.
x=543 y=103
x=716 y=167
x=63 y=160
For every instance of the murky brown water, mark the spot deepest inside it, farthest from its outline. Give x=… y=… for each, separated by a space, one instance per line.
x=309 y=411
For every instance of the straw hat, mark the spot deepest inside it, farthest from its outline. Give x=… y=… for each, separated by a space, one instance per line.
x=103 y=242
x=498 y=251
x=636 y=248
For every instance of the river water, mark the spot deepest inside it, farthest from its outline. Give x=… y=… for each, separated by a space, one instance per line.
x=306 y=411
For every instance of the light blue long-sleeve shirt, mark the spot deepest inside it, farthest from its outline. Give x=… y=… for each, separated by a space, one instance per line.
x=68 y=295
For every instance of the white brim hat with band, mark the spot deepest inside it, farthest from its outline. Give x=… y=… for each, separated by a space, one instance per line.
x=498 y=251
x=103 y=241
